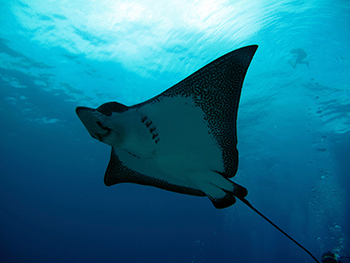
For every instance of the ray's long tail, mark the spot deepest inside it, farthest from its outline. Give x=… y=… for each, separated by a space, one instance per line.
x=273 y=224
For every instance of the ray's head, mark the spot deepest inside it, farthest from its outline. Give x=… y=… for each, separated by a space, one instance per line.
x=102 y=123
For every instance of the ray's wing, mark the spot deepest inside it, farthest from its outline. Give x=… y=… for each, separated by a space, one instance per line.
x=117 y=172
x=216 y=89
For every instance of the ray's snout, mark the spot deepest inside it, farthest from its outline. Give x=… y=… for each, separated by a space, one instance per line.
x=80 y=109
x=86 y=116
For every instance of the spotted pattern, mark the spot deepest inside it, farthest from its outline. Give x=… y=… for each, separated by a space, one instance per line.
x=216 y=89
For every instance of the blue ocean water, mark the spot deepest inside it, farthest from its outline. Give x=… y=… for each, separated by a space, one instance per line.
x=293 y=129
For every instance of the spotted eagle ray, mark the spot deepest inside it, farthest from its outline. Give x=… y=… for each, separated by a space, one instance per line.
x=182 y=140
